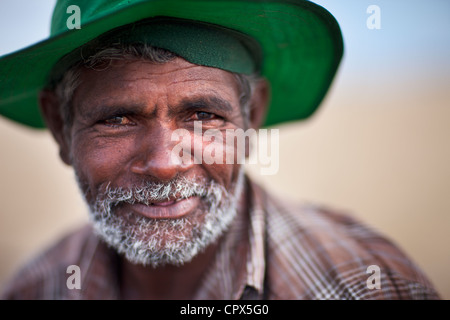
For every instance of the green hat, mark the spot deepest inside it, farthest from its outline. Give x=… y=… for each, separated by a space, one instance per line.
x=300 y=47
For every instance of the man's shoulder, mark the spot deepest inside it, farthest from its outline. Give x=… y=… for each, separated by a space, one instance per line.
x=45 y=275
x=318 y=253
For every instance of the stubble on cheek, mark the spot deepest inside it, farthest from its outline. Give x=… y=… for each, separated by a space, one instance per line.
x=93 y=177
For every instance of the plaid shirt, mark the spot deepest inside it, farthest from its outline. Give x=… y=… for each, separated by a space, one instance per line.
x=277 y=251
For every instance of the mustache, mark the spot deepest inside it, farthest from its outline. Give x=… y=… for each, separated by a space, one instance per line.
x=149 y=192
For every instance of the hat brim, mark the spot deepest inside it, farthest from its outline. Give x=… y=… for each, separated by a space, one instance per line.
x=301 y=44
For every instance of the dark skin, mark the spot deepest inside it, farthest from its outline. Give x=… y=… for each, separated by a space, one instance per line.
x=121 y=134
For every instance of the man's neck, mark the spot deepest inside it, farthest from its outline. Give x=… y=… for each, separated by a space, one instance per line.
x=167 y=282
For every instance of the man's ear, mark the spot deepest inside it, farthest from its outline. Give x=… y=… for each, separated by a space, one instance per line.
x=259 y=103
x=50 y=110
x=258 y=108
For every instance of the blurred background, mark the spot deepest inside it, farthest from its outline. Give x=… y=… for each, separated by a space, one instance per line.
x=378 y=148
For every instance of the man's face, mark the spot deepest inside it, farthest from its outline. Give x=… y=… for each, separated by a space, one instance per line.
x=121 y=147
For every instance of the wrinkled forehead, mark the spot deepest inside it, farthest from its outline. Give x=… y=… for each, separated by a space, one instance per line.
x=137 y=82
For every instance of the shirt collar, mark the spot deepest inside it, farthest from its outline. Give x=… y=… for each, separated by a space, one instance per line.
x=238 y=270
x=256 y=261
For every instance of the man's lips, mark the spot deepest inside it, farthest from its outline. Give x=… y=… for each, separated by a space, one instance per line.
x=171 y=209
x=164 y=204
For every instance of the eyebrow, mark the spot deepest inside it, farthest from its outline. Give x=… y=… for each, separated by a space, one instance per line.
x=101 y=112
x=210 y=102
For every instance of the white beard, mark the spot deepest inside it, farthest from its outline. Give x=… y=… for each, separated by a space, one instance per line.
x=157 y=242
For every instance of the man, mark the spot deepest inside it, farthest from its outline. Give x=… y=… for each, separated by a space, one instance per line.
x=166 y=222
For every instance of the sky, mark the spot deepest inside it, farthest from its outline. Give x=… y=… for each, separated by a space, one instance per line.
x=414 y=34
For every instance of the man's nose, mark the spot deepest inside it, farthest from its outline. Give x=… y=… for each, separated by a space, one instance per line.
x=155 y=157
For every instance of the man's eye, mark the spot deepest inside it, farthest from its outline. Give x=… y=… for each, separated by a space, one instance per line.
x=117 y=121
x=202 y=115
